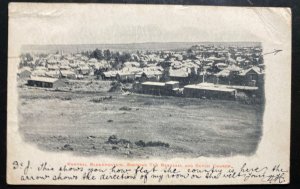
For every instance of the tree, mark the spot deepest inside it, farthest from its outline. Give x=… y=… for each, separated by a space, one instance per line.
x=25 y=60
x=86 y=53
x=97 y=54
x=189 y=51
x=28 y=57
x=116 y=65
x=107 y=54
x=125 y=57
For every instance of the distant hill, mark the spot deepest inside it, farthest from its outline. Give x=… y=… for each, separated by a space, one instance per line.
x=73 y=48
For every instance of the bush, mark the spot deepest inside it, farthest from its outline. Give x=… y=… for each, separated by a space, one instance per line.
x=115 y=86
x=125 y=108
x=101 y=99
x=67 y=147
x=66 y=98
x=96 y=100
x=140 y=143
x=113 y=139
x=151 y=144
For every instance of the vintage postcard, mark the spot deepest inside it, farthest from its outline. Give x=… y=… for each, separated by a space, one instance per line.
x=148 y=94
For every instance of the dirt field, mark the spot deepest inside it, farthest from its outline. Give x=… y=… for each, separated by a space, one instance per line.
x=144 y=126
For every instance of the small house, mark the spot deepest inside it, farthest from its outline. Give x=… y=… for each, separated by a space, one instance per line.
x=53 y=74
x=153 y=88
x=52 y=67
x=125 y=76
x=24 y=73
x=132 y=64
x=46 y=82
x=64 y=67
x=38 y=73
x=110 y=75
x=180 y=75
x=229 y=76
x=212 y=91
x=172 y=85
x=41 y=68
x=84 y=70
x=68 y=74
x=169 y=88
x=52 y=62
x=150 y=75
x=251 y=76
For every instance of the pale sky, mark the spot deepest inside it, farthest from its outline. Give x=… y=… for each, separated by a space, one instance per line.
x=106 y=23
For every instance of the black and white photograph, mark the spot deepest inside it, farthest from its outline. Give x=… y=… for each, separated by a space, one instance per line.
x=143 y=82
x=146 y=99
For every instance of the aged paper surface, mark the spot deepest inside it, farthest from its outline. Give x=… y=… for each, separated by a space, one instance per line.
x=148 y=94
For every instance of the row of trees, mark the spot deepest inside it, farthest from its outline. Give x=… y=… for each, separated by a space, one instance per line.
x=108 y=55
x=26 y=60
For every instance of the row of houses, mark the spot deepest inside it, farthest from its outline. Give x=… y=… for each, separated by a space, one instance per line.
x=180 y=72
x=201 y=90
x=231 y=75
x=169 y=88
x=208 y=58
x=26 y=73
x=129 y=74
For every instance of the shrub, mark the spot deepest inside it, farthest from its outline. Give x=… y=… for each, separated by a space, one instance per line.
x=66 y=98
x=125 y=108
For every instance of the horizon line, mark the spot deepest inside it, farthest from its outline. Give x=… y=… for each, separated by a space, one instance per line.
x=145 y=43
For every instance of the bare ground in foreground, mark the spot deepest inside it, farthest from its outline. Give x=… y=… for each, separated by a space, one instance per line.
x=169 y=126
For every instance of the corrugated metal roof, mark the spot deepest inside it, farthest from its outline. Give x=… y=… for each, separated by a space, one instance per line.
x=254 y=68
x=44 y=79
x=178 y=73
x=110 y=74
x=67 y=72
x=223 y=73
x=172 y=82
x=211 y=88
x=154 y=83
